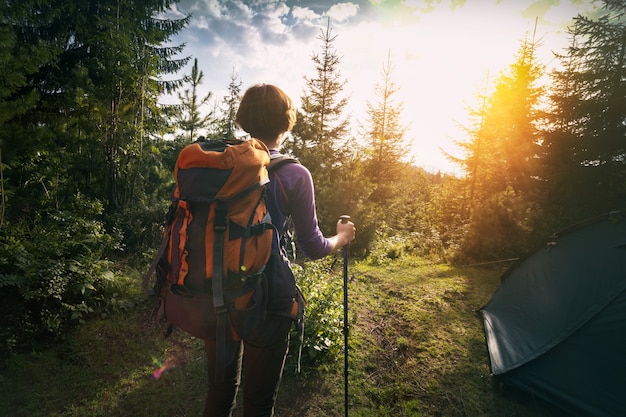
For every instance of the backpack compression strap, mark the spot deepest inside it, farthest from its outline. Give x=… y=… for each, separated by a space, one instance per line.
x=166 y=238
x=217 y=282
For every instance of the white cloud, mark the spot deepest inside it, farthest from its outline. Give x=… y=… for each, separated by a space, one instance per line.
x=214 y=8
x=207 y=8
x=304 y=13
x=342 y=11
x=200 y=22
x=274 y=16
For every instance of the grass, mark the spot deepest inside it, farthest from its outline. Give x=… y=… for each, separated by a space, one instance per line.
x=416 y=349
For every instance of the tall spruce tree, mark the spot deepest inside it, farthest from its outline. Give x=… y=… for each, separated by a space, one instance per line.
x=504 y=149
x=321 y=127
x=29 y=45
x=585 y=143
x=385 y=133
x=502 y=160
x=96 y=100
x=120 y=60
x=319 y=135
x=83 y=80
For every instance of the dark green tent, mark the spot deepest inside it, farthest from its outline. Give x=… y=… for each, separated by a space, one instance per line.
x=556 y=326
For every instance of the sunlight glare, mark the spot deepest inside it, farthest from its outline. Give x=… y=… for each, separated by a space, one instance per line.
x=440 y=64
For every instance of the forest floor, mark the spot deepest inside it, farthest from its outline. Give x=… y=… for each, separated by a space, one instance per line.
x=416 y=348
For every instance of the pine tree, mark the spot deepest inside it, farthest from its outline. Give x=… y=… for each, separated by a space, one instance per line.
x=319 y=135
x=25 y=49
x=502 y=161
x=87 y=87
x=109 y=79
x=226 y=126
x=585 y=143
x=504 y=149
x=190 y=118
x=386 y=138
x=78 y=107
x=321 y=128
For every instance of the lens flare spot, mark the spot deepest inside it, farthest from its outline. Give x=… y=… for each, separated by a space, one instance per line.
x=157 y=373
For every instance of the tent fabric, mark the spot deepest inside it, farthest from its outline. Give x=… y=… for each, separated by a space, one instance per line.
x=556 y=326
x=585 y=375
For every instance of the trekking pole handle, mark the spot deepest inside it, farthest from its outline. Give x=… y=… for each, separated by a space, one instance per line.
x=344 y=218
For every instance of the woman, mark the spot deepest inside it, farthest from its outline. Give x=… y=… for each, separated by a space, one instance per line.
x=267 y=113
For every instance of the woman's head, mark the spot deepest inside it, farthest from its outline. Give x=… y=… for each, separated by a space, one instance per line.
x=265 y=112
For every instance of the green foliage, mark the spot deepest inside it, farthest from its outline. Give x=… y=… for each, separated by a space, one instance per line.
x=86 y=77
x=494 y=218
x=81 y=177
x=386 y=142
x=53 y=272
x=138 y=228
x=386 y=247
x=508 y=219
x=23 y=52
x=531 y=168
x=323 y=324
x=391 y=246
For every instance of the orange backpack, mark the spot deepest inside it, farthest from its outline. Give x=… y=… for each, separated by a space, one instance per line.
x=216 y=243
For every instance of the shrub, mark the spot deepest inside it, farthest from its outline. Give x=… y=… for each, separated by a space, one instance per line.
x=52 y=273
x=500 y=228
x=323 y=331
x=386 y=246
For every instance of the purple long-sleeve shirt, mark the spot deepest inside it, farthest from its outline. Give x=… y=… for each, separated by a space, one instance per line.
x=291 y=192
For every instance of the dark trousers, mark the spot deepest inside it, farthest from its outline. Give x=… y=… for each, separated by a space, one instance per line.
x=263 y=356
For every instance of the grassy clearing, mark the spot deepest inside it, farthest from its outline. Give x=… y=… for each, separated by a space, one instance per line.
x=420 y=343
x=416 y=349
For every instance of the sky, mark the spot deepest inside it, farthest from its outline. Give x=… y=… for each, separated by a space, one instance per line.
x=442 y=53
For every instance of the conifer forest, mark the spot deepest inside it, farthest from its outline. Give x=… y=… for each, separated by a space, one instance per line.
x=87 y=151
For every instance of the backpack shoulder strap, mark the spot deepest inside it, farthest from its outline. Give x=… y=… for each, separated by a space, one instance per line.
x=278 y=160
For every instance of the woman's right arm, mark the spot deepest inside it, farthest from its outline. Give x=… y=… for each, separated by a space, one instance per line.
x=303 y=213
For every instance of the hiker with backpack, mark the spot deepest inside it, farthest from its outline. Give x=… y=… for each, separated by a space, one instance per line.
x=222 y=273
x=267 y=113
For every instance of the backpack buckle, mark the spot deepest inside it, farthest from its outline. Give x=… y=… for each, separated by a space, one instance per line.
x=221 y=310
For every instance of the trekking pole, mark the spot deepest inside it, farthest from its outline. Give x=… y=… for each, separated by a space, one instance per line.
x=344 y=219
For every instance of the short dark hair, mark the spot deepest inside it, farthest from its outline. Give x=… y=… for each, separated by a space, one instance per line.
x=265 y=112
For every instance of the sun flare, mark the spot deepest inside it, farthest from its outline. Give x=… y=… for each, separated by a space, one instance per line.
x=440 y=62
